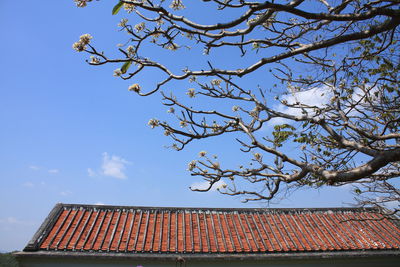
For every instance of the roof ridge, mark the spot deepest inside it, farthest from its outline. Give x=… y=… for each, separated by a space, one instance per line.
x=126 y=207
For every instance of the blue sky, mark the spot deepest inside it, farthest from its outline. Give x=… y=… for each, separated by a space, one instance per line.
x=73 y=133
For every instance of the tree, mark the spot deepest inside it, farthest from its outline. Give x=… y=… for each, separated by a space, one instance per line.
x=330 y=96
x=8 y=260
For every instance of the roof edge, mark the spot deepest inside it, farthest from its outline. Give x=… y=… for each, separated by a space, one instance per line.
x=76 y=205
x=47 y=224
x=211 y=256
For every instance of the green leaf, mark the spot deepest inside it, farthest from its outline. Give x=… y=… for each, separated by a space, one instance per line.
x=126 y=66
x=116 y=8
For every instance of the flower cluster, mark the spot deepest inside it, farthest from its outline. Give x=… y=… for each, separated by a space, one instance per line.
x=130 y=50
x=255 y=45
x=167 y=132
x=216 y=82
x=155 y=35
x=215 y=165
x=153 y=123
x=129 y=7
x=83 y=41
x=223 y=186
x=123 y=23
x=183 y=123
x=257 y=156
x=135 y=88
x=216 y=127
x=172 y=47
x=140 y=26
x=81 y=3
x=117 y=72
x=176 y=5
x=192 y=165
x=94 y=60
x=191 y=93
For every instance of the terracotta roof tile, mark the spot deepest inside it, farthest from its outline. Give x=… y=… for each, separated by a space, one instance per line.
x=202 y=230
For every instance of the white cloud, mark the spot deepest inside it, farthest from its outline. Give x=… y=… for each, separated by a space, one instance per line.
x=37 y=168
x=28 y=184
x=65 y=193
x=99 y=203
x=13 y=221
x=34 y=167
x=392 y=205
x=317 y=97
x=91 y=172
x=114 y=166
x=205 y=185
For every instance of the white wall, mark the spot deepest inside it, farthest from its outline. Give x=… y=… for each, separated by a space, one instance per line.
x=62 y=262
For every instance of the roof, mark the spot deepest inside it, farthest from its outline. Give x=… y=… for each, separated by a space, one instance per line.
x=123 y=230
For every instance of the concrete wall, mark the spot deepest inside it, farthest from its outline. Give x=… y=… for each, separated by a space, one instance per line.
x=354 y=262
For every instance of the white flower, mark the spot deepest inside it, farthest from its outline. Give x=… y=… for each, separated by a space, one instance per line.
x=94 y=60
x=235 y=108
x=83 y=41
x=130 y=50
x=85 y=38
x=216 y=127
x=153 y=123
x=134 y=87
x=177 y=5
x=257 y=156
x=215 y=165
x=202 y=153
x=155 y=35
x=172 y=47
x=123 y=23
x=192 y=165
x=117 y=72
x=191 y=93
x=140 y=27
x=183 y=123
x=167 y=132
x=81 y=3
x=129 y=7
x=78 y=46
x=216 y=82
